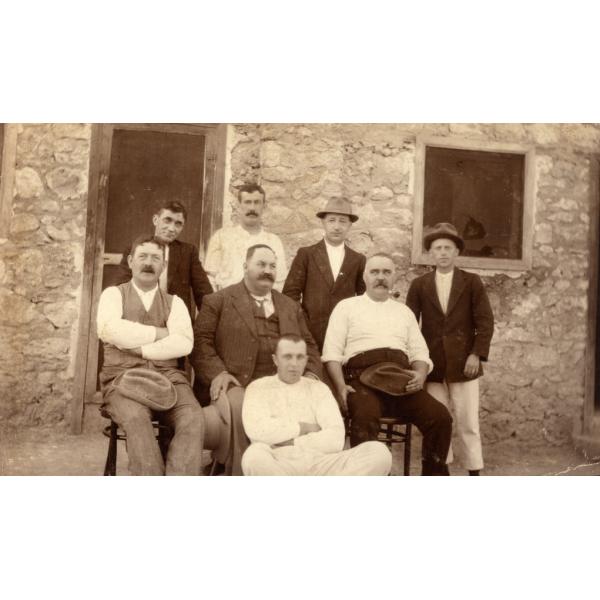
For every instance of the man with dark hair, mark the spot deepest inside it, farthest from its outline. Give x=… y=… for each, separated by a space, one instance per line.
x=457 y=324
x=327 y=272
x=145 y=331
x=378 y=361
x=183 y=274
x=227 y=246
x=235 y=335
x=295 y=425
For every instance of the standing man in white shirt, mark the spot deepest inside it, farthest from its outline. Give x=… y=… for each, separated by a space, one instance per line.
x=458 y=324
x=373 y=329
x=145 y=330
x=295 y=426
x=327 y=272
x=227 y=247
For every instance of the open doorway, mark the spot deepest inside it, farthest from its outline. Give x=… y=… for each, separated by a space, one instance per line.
x=133 y=169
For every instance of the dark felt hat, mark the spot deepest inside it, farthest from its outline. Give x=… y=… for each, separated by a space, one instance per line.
x=339 y=206
x=217 y=431
x=443 y=230
x=147 y=387
x=387 y=377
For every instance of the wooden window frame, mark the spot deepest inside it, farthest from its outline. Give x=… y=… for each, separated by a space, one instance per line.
x=8 y=162
x=421 y=257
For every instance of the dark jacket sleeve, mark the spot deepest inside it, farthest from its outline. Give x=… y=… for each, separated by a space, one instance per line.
x=314 y=364
x=295 y=282
x=483 y=318
x=204 y=358
x=198 y=279
x=413 y=298
x=361 y=288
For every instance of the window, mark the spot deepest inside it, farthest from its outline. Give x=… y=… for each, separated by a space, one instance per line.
x=486 y=191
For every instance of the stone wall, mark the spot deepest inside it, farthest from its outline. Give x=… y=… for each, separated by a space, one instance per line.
x=534 y=383
x=40 y=274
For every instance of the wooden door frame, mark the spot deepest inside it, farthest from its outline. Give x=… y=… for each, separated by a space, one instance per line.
x=86 y=360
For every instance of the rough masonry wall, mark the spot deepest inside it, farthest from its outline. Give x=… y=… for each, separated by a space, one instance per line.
x=533 y=387
x=40 y=274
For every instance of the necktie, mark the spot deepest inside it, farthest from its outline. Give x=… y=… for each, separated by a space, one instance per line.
x=261 y=306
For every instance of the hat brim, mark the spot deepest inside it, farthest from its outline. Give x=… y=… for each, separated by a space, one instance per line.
x=322 y=213
x=429 y=239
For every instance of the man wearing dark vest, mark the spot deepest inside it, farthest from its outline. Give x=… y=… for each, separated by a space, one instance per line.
x=145 y=330
x=235 y=336
x=327 y=272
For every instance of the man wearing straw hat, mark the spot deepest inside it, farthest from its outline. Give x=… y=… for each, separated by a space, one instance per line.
x=323 y=274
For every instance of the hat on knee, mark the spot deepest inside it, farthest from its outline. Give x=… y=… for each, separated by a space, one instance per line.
x=147 y=387
x=387 y=377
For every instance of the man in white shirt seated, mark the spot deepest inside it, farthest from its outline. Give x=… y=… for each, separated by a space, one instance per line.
x=145 y=330
x=228 y=246
x=372 y=329
x=295 y=426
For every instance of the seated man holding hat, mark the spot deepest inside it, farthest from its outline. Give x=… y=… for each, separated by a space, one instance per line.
x=145 y=330
x=378 y=361
x=295 y=426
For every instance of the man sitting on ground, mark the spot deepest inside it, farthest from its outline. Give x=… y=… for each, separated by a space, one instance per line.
x=295 y=425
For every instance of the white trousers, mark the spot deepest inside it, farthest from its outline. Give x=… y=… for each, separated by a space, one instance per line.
x=464 y=397
x=368 y=458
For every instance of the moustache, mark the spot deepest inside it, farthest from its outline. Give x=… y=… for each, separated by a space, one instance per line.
x=265 y=276
x=251 y=213
x=148 y=270
x=382 y=284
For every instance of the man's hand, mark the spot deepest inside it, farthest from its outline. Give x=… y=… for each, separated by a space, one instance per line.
x=417 y=382
x=342 y=397
x=221 y=383
x=472 y=366
x=308 y=428
x=161 y=332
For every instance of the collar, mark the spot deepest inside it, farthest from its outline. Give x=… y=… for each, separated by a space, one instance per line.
x=444 y=275
x=142 y=292
x=334 y=249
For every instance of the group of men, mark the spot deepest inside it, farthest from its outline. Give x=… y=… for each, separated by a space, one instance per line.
x=259 y=352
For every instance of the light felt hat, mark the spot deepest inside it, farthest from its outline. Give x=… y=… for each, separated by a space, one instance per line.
x=443 y=230
x=339 y=206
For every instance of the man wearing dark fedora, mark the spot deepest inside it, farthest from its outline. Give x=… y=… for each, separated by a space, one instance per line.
x=378 y=362
x=457 y=323
x=329 y=271
x=145 y=331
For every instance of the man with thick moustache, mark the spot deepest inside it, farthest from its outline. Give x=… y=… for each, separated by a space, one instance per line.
x=323 y=274
x=235 y=336
x=372 y=342
x=183 y=274
x=145 y=331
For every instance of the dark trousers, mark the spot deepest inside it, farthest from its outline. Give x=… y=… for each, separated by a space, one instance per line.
x=367 y=405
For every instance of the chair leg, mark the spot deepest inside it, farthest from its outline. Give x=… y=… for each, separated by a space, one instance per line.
x=407 y=448
x=111 y=457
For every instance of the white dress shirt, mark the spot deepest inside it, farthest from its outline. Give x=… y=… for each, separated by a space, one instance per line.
x=443 y=285
x=273 y=410
x=226 y=255
x=125 y=334
x=336 y=257
x=359 y=324
x=266 y=301
x=162 y=280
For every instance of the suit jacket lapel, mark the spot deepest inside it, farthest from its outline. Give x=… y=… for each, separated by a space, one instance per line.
x=322 y=260
x=458 y=285
x=431 y=291
x=244 y=305
x=282 y=314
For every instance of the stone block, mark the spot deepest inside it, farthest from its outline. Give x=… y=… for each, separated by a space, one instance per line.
x=67 y=182
x=24 y=223
x=28 y=183
x=15 y=310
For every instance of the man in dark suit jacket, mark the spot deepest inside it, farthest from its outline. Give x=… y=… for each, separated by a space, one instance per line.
x=235 y=336
x=327 y=272
x=457 y=324
x=184 y=276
